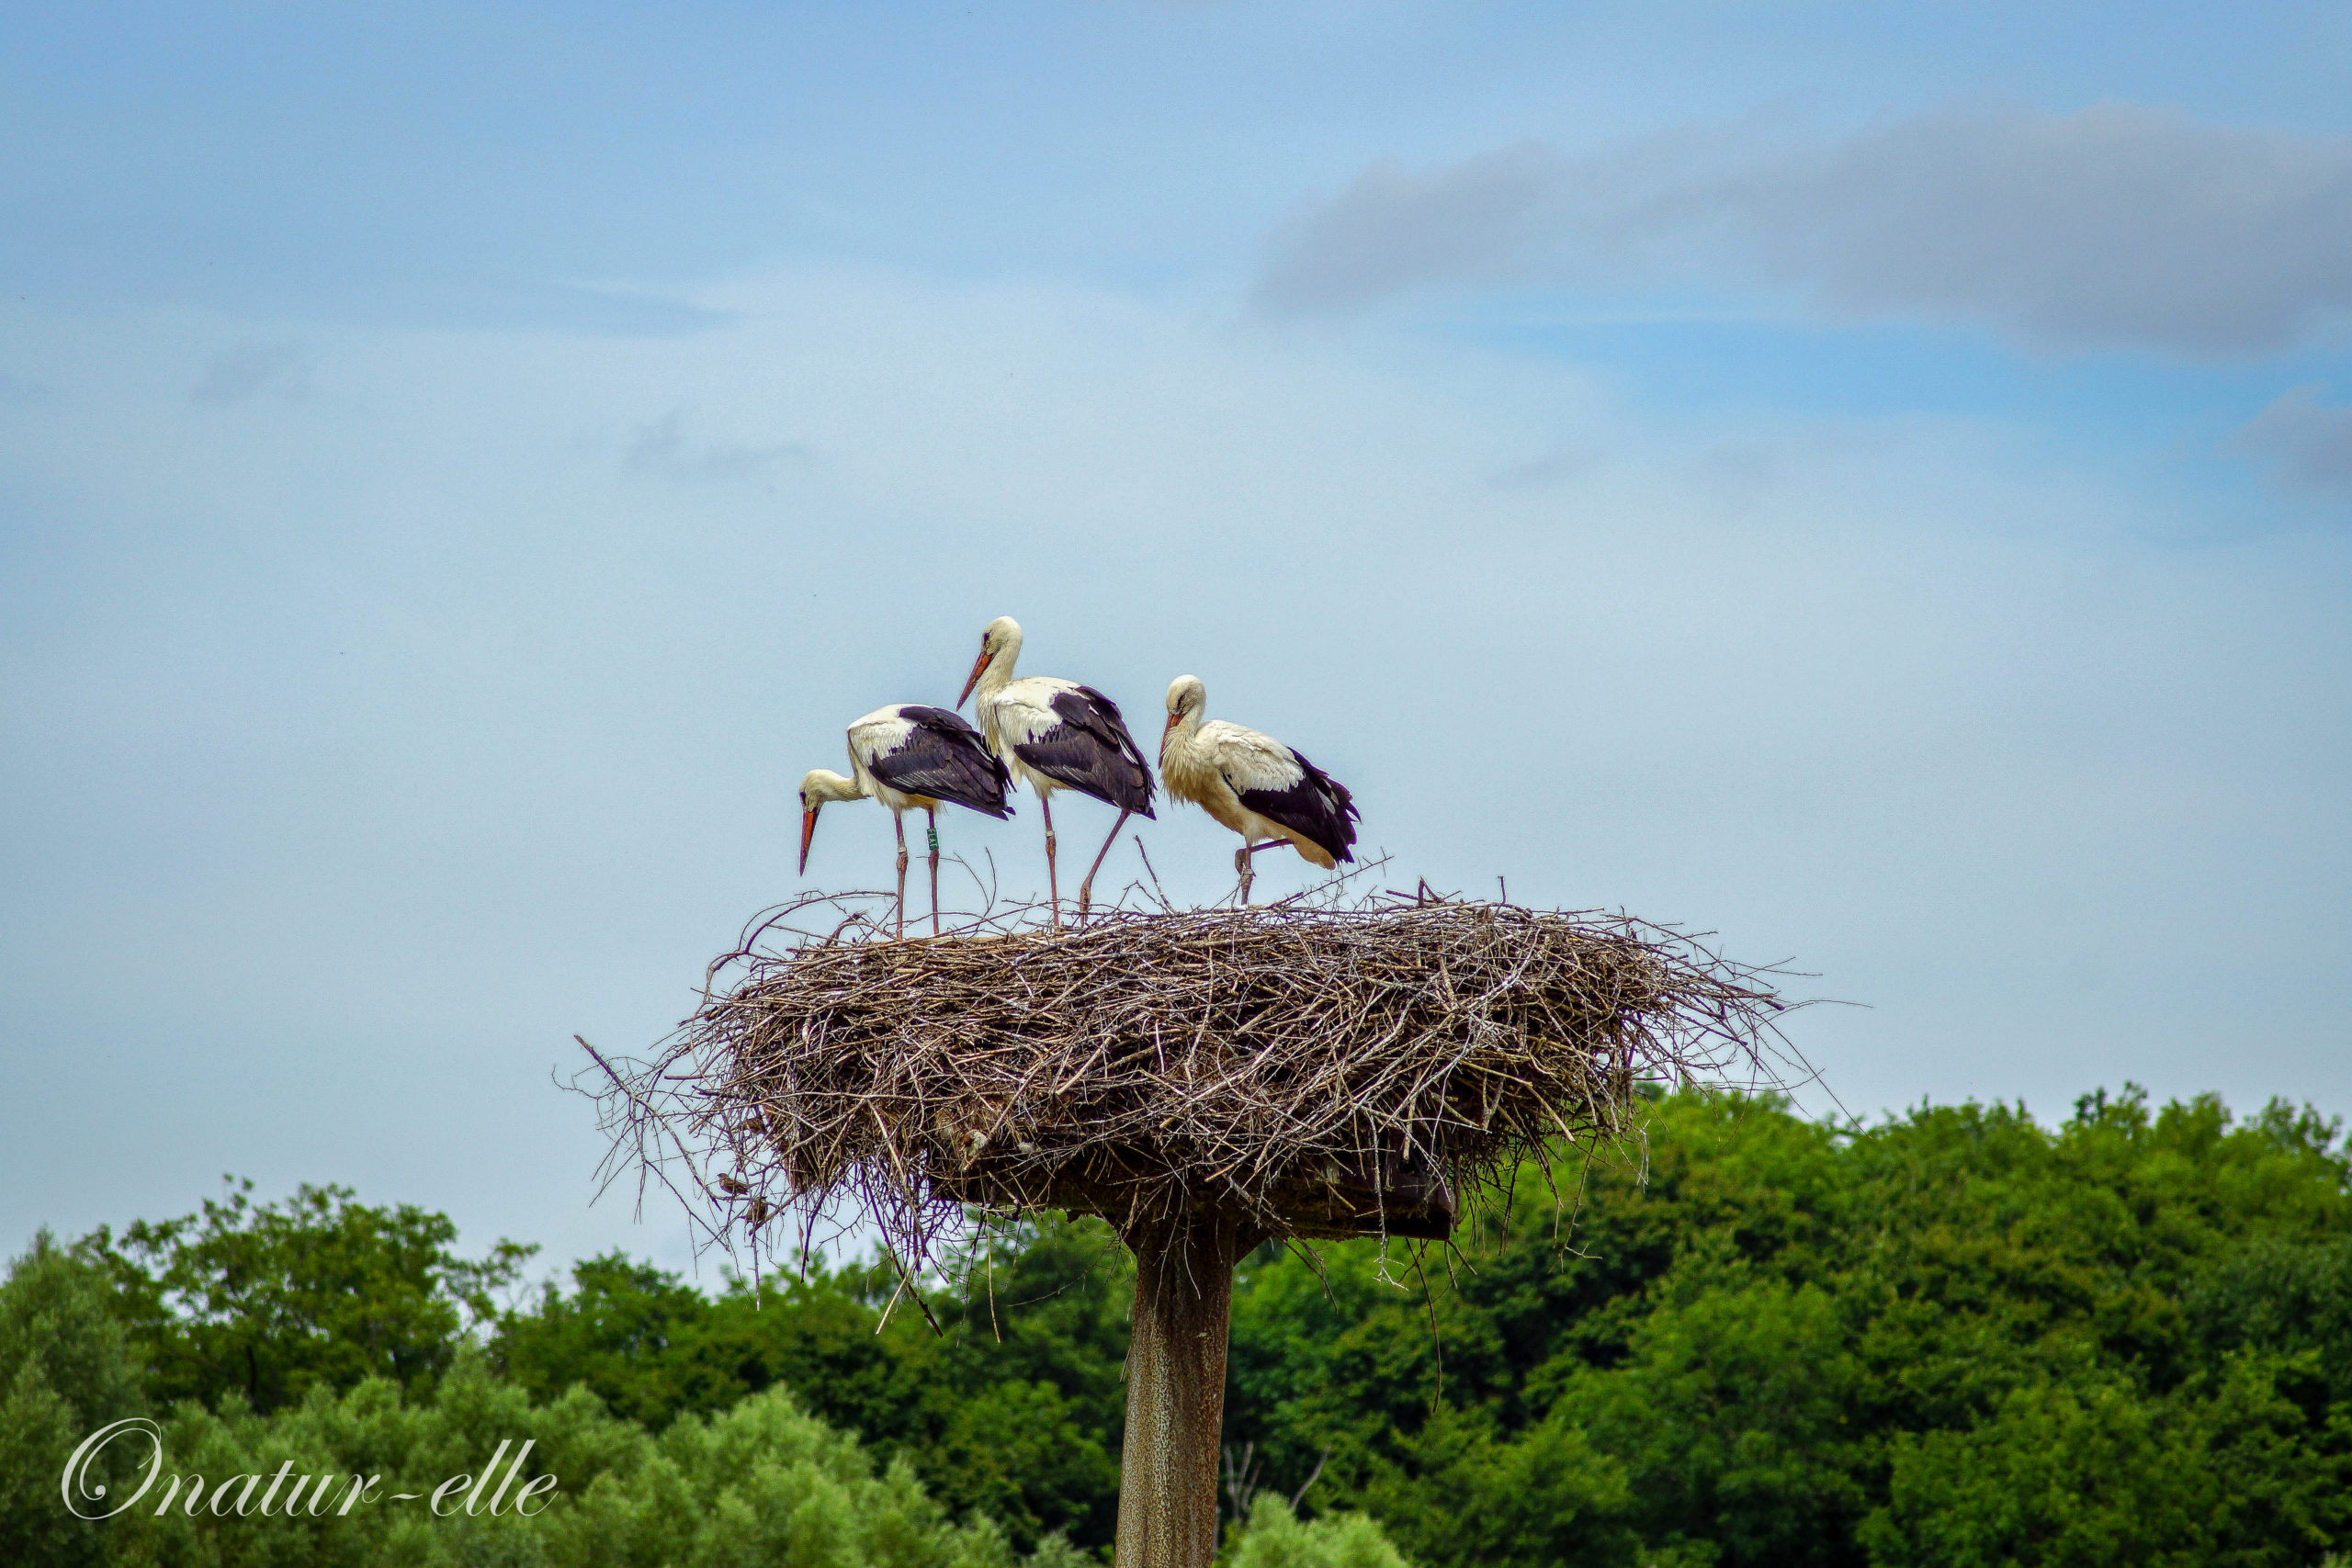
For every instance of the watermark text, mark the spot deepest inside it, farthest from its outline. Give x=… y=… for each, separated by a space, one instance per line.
x=286 y=1495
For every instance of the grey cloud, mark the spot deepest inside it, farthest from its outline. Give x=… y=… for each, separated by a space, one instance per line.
x=2114 y=226
x=2309 y=445
x=1393 y=229
x=250 y=369
x=663 y=448
x=1523 y=213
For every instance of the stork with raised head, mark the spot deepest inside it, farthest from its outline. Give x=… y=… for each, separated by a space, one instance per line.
x=1254 y=785
x=905 y=757
x=1053 y=735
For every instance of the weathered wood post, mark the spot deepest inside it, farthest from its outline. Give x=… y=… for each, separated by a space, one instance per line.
x=1176 y=1388
x=1181 y=1327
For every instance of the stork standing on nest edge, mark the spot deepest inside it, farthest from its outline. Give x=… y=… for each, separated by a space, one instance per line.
x=1254 y=785
x=1056 y=734
x=905 y=757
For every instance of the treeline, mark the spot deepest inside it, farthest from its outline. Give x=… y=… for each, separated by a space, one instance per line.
x=1958 y=1339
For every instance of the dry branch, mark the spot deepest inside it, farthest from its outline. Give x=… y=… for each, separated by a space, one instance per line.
x=1322 y=1071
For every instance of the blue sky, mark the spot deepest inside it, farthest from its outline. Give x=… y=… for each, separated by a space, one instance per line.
x=1874 y=481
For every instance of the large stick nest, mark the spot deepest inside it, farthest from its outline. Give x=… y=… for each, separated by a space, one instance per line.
x=1325 y=1071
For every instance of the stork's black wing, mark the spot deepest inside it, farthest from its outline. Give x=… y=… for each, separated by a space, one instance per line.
x=945 y=758
x=1090 y=752
x=1317 y=807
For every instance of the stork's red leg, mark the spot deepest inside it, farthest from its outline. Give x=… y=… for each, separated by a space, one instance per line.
x=933 y=813
x=1086 y=888
x=1053 y=885
x=899 y=826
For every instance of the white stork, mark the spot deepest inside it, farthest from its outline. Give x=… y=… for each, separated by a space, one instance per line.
x=1056 y=734
x=1254 y=785
x=905 y=757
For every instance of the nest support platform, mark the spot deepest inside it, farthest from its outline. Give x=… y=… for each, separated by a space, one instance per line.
x=1203 y=1080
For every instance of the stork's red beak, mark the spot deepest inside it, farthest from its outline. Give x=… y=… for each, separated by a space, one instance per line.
x=974 y=678
x=1171 y=724
x=807 y=835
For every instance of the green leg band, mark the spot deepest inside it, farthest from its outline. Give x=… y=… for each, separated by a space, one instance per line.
x=934 y=834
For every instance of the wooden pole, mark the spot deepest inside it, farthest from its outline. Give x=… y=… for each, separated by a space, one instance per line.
x=1168 y=1465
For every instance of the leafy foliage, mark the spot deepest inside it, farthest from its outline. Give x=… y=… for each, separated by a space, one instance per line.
x=763 y=1482
x=1959 y=1338
x=1012 y=1410
x=271 y=1300
x=66 y=1369
x=1956 y=1337
x=1274 y=1537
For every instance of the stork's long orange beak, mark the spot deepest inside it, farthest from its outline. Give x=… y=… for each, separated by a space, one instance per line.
x=807 y=835
x=1171 y=725
x=974 y=678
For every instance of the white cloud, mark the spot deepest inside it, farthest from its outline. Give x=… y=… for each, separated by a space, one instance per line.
x=402 y=692
x=2117 y=225
x=2309 y=445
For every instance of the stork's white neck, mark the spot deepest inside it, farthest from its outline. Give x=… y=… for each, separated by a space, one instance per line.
x=1188 y=767
x=823 y=784
x=1187 y=697
x=998 y=673
x=1187 y=730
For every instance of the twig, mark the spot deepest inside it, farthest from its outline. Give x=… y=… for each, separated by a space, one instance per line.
x=1337 y=1062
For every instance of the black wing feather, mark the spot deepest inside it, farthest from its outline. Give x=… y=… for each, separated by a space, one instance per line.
x=1090 y=752
x=945 y=758
x=1318 y=807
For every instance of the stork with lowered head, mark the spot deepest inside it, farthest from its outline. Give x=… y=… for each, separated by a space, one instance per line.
x=905 y=757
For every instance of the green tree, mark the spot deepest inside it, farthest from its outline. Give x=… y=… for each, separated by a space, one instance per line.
x=1783 y=1329
x=1959 y=1336
x=627 y=1332
x=268 y=1300
x=1468 y=1500
x=1274 y=1537
x=1008 y=1409
x=2280 y=1296
x=1730 y=1415
x=763 y=1482
x=2093 y=1474
x=66 y=1370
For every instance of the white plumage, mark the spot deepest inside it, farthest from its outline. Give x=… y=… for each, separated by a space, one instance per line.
x=1022 y=713
x=876 y=735
x=908 y=757
x=1254 y=785
x=1054 y=734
